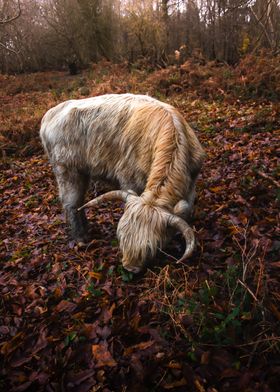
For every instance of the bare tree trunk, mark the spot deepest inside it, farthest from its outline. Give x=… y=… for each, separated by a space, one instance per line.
x=258 y=20
x=272 y=32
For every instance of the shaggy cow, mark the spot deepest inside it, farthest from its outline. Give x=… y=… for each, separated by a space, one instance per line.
x=138 y=142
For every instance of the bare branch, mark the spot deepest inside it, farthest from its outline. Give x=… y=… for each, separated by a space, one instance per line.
x=9 y=20
x=262 y=26
x=9 y=49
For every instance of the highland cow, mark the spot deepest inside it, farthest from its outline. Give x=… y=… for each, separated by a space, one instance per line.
x=138 y=142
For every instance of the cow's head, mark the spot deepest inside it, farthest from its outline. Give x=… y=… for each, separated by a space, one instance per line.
x=143 y=228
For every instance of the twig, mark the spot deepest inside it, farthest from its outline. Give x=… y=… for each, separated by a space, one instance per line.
x=161 y=379
x=248 y=289
x=267 y=177
x=168 y=255
x=9 y=49
x=269 y=339
x=253 y=351
x=261 y=269
x=209 y=289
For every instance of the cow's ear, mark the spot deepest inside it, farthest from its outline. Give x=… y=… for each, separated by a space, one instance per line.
x=132 y=192
x=182 y=209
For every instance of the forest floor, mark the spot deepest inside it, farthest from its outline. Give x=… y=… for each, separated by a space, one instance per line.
x=73 y=319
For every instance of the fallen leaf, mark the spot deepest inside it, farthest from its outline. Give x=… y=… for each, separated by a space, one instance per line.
x=174 y=365
x=205 y=358
x=216 y=189
x=102 y=355
x=95 y=275
x=175 y=384
x=139 y=346
x=65 y=305
x=199 y=387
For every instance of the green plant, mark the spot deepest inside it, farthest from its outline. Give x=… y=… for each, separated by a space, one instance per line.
x=70 y=338
x=218 y=311
x=94 y=291
x=125 y=275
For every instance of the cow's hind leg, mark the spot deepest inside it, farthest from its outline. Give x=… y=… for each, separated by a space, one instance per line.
x=73 y=185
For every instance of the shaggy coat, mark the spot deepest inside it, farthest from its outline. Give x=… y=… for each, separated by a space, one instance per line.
x=136 y=141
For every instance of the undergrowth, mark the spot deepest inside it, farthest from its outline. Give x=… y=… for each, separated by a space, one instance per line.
x=74 y=317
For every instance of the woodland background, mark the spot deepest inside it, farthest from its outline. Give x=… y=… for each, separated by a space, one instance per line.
x=72 y=319
x=54 y=33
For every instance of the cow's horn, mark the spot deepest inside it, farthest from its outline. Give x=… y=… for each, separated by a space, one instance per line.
x=188 y=234
x=112 y=195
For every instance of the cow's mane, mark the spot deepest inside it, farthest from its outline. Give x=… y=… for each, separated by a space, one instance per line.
x=169 y=177
x=168 y=181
